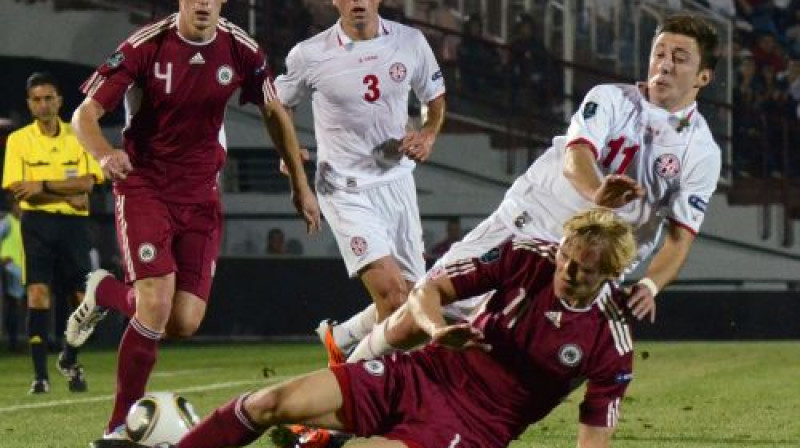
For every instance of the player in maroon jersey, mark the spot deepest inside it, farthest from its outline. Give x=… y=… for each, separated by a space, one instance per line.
x=555 y=321
x=176 y=77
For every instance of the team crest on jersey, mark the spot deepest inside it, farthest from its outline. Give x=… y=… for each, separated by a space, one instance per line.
x=358 y=245
x=224 y=75
x=398 y=72
x=667 y=166
x=147 y=252
x=570 y=355
x=374 y=367
x=589 y=110
x=115 y=60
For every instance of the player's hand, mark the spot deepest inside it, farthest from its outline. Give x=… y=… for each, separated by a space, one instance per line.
x=116 y=165
x=26 y=189
x=459 y=337
x=417 y=146
x=306 y=205
x=305 y=156
x=617 y=190
x=78 y=201
x=642 y=302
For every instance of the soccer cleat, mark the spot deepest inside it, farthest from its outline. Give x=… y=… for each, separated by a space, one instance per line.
x=82 y=321
x=74 y=373
x=119 y=433
x=325 y=332
x=308 y=437
x=39 y=386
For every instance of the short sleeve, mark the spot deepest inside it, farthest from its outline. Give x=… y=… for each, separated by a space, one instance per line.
x=12 y=167
x=592 y=123
x=428 y=81
x=687 y=207
x=605 y=389
x=257 y=85
x=292 y=88
x=110 y=81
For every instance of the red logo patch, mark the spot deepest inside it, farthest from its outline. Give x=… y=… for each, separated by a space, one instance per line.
x=668 y=166
x=358 y=245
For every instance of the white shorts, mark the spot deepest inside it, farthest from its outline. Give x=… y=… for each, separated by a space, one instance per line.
x=490 y=233
x=377 y=222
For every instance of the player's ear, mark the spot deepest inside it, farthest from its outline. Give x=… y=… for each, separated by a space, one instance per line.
x=703 y=78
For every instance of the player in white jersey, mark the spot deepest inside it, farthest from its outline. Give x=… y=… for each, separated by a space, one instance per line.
x=642 y=149
x=358 y=74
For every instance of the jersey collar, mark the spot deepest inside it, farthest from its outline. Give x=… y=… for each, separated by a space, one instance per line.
x=679 y=120
x=38 y=131
x=344 y=40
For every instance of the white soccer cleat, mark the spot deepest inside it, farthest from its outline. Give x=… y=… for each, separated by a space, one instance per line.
x=82 y=321
x=119 y=433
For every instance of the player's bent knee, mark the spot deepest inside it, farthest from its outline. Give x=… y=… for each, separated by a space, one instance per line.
x=263 y=406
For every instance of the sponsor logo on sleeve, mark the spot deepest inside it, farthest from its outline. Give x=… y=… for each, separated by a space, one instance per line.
x=437 y=75
x=589 y=110
x=623 y=377
x=115 y=60
x=491 y=256
x=697 y=203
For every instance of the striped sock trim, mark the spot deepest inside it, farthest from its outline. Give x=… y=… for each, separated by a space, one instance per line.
x=144 y=331
x=241 y=414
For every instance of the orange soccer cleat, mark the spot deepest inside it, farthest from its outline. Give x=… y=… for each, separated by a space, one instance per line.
x=335 y=354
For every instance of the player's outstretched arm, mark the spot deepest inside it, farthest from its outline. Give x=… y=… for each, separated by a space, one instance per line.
x=664 y=268
x=86 y=123
x=281 y=130
x=594 y=436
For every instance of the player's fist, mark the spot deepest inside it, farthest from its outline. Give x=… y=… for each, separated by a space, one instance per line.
x=116 y=165
x=617 y=190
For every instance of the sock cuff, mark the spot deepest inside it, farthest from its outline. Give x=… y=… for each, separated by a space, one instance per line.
x=144 y=331
x=241 y=414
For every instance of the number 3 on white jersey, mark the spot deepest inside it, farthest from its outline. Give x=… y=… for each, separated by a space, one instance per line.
x=165 y=76
x=373 y=92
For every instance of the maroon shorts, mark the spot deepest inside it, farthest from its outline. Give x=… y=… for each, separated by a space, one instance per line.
x=404 y=397
x=157 y=238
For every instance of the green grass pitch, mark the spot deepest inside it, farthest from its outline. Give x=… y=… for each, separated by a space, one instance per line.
x=684 y=395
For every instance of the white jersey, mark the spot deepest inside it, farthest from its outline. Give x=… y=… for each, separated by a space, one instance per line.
x=672 y=155
x=359 y=94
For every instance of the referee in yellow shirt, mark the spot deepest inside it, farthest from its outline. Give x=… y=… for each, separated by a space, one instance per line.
x=51 y=176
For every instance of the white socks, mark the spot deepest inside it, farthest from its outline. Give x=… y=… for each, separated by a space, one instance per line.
x=372 y=346
x=350 y=332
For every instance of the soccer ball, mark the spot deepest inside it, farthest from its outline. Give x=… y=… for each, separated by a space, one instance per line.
x=159 y=417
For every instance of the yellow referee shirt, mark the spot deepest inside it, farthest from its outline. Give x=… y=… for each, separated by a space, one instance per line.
x=31 y=155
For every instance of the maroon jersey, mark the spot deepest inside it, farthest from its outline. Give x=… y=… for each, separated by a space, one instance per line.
x=542 y=349
x=175 y=95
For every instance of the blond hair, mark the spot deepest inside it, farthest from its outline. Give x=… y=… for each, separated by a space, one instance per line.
x=601 y=228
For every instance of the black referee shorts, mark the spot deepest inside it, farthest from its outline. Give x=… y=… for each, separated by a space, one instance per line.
x=56 y=247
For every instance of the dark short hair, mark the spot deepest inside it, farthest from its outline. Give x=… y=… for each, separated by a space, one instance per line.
x=42 y=78
x=698 y=29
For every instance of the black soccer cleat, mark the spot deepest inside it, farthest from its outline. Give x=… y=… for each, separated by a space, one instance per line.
x=76 y=380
